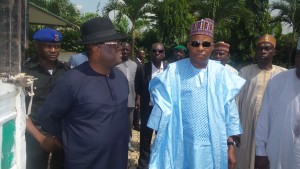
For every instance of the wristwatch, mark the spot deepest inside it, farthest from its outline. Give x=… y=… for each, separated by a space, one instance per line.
x=232 y=143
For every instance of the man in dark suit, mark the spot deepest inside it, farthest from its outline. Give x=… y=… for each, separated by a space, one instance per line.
x=139 y=60
x=140 y=57
x=144 y=74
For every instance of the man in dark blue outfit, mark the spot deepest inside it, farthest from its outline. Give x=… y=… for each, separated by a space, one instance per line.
x=87 y=108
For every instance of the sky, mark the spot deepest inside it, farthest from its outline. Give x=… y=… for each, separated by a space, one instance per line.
x=89 y=5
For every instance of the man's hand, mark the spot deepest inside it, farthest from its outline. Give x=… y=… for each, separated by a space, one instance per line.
x=262 y=162
x=50 y=144
x=231 y=157
x=137 y=103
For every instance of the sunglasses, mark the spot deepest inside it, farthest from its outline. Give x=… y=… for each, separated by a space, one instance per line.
x=157 y=50
x=198 y=43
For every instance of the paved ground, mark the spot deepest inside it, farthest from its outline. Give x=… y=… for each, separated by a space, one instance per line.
x=133 y=157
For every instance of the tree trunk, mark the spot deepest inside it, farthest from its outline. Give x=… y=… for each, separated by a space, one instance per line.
x=288 y=64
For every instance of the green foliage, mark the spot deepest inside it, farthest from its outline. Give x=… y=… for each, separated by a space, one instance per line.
x=173 y=21
x=237 y=22
x=122 y=26
x=66 y=10
x=288 y=13
x=134 y=10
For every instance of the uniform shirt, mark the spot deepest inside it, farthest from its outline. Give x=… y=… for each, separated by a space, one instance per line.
x=44 y=83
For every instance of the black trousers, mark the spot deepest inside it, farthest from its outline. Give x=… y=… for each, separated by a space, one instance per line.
x=145 y=138
x=136 y=118
x=37 y=158
x=130 y=114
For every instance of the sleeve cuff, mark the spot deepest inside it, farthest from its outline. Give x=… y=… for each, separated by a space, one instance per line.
x=154 y=119
x=261 y=151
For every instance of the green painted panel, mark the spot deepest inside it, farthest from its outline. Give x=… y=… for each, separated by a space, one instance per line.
x=7 y=144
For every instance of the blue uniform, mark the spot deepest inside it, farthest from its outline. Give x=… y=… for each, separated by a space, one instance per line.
x=88 y=110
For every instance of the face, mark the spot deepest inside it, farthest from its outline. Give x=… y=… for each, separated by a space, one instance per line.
x=297 y=62
x=200 y=53
x=221 y=56
x=178 y=54
x=264 y=53
x=157 y=52
x=111 y=54
x=141 y=54
x=126 y=49
x=47 y=51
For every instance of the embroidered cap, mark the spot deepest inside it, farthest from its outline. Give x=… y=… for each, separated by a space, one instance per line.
x=203 y=27
x=47 y=35
x=298 y=45
x=222 y=46
x=267 y=38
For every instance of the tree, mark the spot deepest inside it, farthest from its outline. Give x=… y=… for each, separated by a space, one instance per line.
x=289 y=11
x=234 y=24
x=62 y=8
x=134 y=10
x=172 y=20
x=66 y=10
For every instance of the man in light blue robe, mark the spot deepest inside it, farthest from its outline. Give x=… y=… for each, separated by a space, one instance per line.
x=194 y=111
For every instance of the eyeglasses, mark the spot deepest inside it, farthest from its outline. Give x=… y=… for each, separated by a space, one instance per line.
x=198 y=43
x=114 y=44
x=158 y=50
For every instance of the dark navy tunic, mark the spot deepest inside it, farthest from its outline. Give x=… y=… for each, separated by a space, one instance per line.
x=89 y=111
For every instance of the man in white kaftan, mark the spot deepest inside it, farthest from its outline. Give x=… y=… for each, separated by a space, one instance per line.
x=277 y=134
x=250 y=97
x=194 y=111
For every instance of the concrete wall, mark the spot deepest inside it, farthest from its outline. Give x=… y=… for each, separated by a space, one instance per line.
x=13 y=26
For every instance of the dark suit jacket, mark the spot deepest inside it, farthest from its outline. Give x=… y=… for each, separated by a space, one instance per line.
x=137 y=61
x=142 y=79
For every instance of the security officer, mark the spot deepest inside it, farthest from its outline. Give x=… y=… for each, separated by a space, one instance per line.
x=47 y=69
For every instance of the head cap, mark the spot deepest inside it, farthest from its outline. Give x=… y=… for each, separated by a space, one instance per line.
x=222 y=46
x=268 y=39
x=180 y=47
x=99 y=30
x=203 y=27
x=47 y=35
x=298 y=45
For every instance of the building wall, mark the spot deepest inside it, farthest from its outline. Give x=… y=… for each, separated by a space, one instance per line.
x=13 y=26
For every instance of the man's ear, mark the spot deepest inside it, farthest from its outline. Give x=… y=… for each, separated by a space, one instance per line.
x=96 y=47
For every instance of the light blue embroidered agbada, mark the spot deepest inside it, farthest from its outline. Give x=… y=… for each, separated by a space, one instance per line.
x=172 y=149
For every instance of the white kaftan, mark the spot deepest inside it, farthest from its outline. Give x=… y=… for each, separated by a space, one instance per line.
x=277 y=133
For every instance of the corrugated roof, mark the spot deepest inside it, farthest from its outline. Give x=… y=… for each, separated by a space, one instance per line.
x=40 y=16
